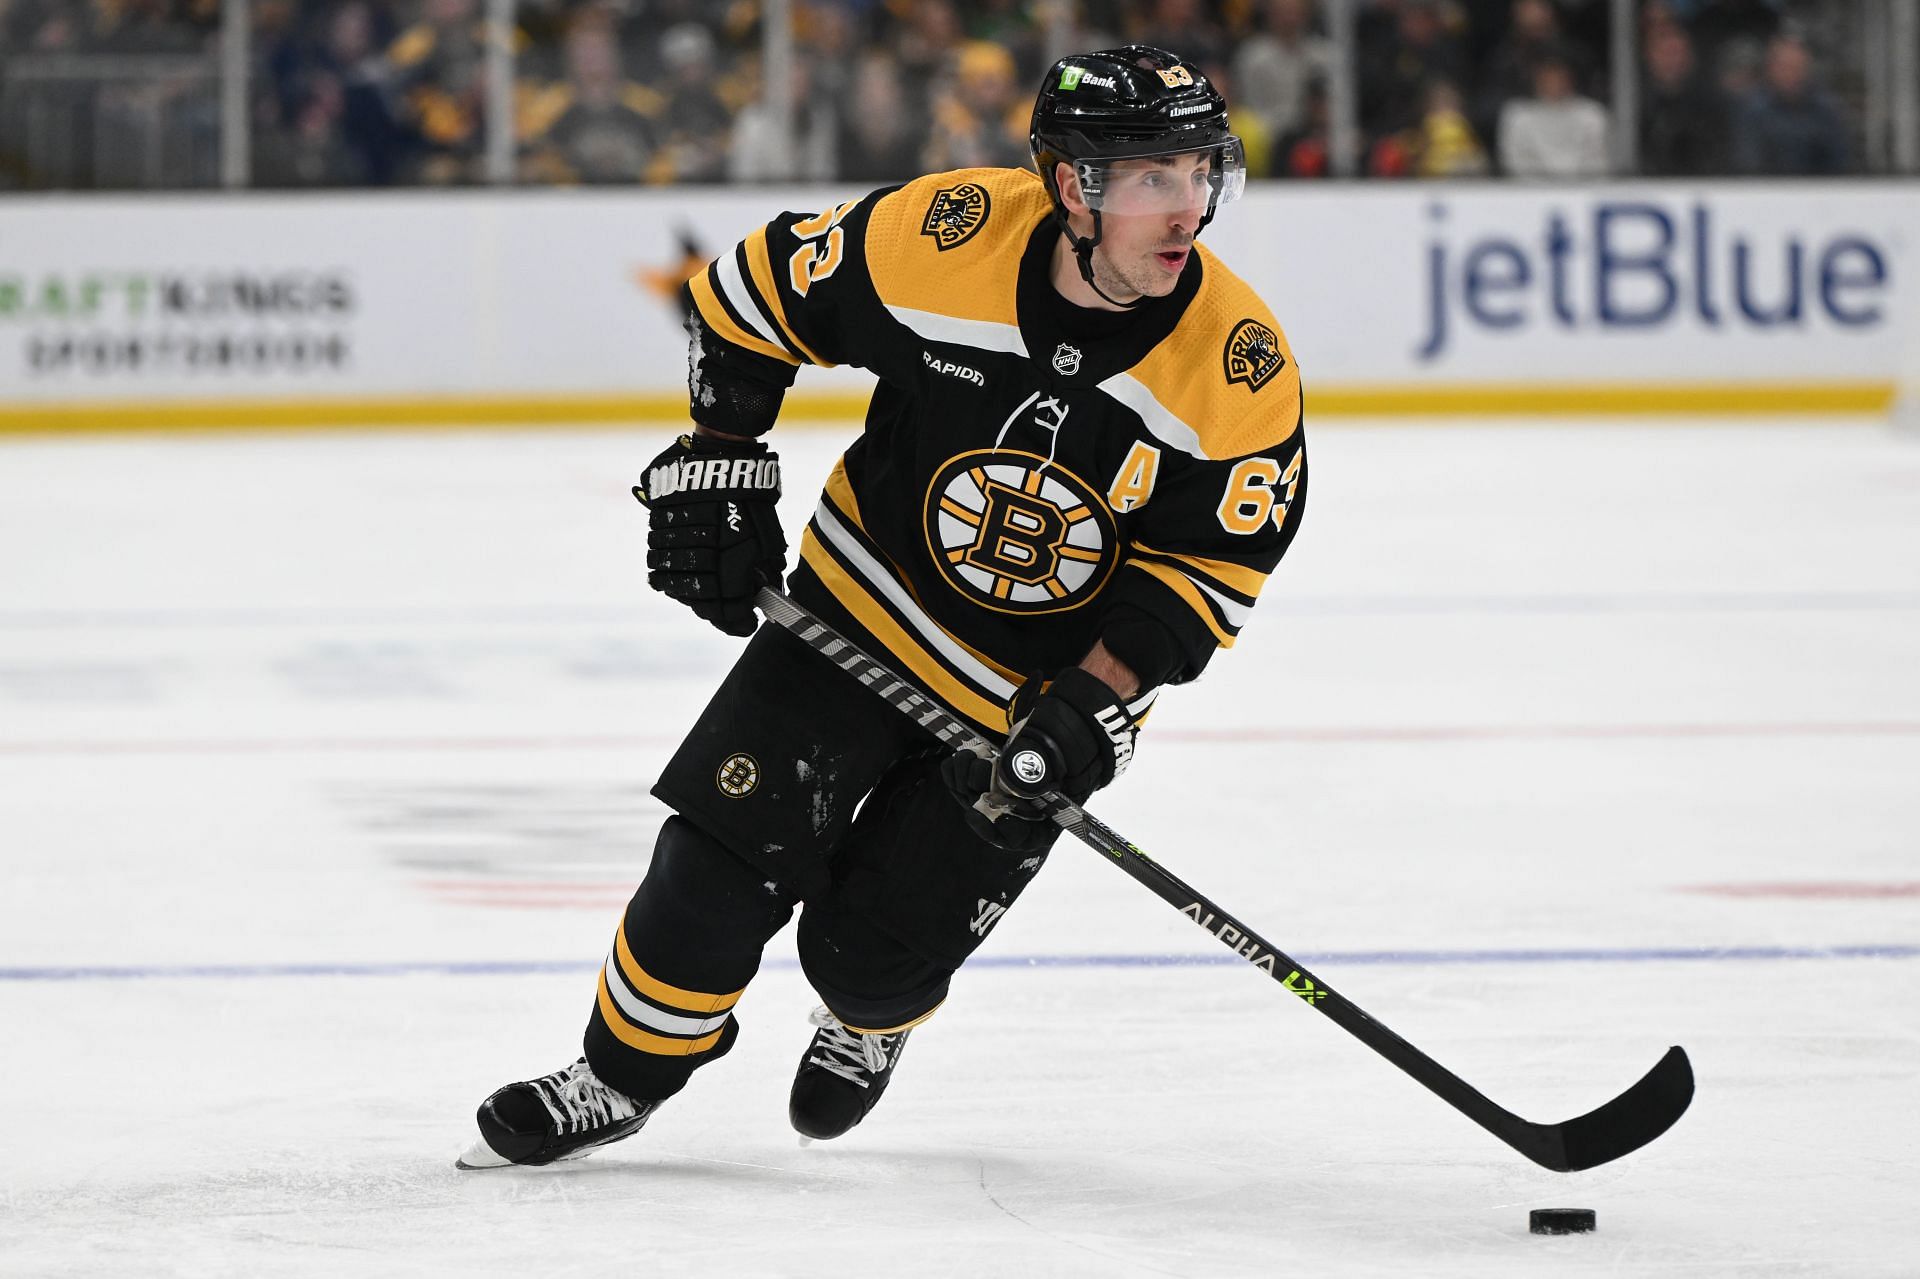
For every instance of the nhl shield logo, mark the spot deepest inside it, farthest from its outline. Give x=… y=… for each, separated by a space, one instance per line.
x=955 y=215
x=1253 y=354
x=1066 y=360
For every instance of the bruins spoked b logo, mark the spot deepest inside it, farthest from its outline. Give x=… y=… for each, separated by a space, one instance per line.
x=955 y=214
x=1253 y=354
x=1017 y=533
x=738 y=776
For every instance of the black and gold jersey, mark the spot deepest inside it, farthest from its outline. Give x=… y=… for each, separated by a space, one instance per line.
x=1031 y=477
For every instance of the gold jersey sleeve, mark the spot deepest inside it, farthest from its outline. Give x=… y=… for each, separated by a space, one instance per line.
x=949 y=245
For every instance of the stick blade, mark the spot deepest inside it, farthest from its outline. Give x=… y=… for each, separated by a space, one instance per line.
x=1621 y=1126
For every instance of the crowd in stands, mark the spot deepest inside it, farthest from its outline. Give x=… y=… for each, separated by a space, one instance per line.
x=380 y=92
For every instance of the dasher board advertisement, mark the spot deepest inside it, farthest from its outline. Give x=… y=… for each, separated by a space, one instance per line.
x=562 y=305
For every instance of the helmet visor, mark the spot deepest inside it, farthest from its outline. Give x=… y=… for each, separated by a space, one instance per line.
x=1165 y=183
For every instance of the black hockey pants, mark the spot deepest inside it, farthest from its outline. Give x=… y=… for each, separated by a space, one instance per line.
x=765 y=789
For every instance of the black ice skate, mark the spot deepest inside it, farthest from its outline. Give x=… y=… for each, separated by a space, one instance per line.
x=841 y=1077
x=559 y=1116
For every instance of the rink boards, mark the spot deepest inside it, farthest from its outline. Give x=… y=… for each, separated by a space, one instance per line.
x=427 y=308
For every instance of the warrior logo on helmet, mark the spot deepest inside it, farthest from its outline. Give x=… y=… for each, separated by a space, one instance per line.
x=1017 y=533
x=1253 y=354
x=955 y=215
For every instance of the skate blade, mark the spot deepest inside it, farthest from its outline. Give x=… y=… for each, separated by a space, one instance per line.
x=480 y=1156
x=805 y=1142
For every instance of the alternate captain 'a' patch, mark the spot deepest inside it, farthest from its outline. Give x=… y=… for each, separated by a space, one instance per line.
x=955 y=214
x=1017 y=533
x=1253 y=354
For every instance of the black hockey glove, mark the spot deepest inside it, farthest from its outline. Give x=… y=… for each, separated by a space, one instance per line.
x=1076 y=739
x=715 y=537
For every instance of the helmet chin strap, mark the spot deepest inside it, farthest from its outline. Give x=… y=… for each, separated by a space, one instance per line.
x=1083 y=254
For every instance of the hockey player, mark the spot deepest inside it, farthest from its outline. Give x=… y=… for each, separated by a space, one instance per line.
x=1082 y=460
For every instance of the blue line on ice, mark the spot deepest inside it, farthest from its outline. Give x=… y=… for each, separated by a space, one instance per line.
x=1330 y=959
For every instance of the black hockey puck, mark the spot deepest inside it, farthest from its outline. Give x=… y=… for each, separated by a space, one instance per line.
x=1560 y=1221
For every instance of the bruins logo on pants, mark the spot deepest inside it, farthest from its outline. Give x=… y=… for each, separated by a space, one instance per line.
x=955 y=214
x=1253 y=354
x=1017 y=533
x=738 y=776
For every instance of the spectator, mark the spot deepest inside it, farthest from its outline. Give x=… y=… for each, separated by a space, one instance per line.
x=151 y=26
x=1556 y=133
x=139 y=119
x=1655 y=15
x=1717 y=23
x=1099 y=24
x=1186 y=28
x=1440 y=144
x=312 y=151
x=1534 y=31
x=1738 y=69
x=880 y=137
x=1788 y=125
x=372 y=138
x=343 y=69
x=982 y=120
x=1307 y=151
x=439 y=65
x=646 y=25
x=1012 y=25
x=1420 y=49
x=695 y=119
x=1585 y=29
x=761 y=152
x=824 y=35
x=41 y=26
x=597 y=126
x=926 y=48
x=1683 y=120
x=1272 y=69
x=1445 y=145
x=1256 y=139
x=540 y=37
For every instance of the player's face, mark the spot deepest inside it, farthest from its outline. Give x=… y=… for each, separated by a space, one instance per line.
x=1150 y=212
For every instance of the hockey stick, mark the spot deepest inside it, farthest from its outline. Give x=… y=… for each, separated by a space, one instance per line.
x=1619 y=1127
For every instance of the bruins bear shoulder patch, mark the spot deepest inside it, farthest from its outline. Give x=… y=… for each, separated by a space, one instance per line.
x=1252 y=354
x=956 y=215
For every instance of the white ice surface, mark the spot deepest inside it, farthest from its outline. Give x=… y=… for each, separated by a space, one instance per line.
x=368 y=700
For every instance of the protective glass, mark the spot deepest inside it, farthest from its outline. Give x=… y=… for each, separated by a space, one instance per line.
x=1165 y=183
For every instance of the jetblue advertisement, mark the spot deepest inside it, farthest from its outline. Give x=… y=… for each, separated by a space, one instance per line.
x=1605 y=284
x=1641 y=270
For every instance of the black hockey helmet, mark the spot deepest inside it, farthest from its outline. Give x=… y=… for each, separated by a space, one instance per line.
x=1126 y=104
